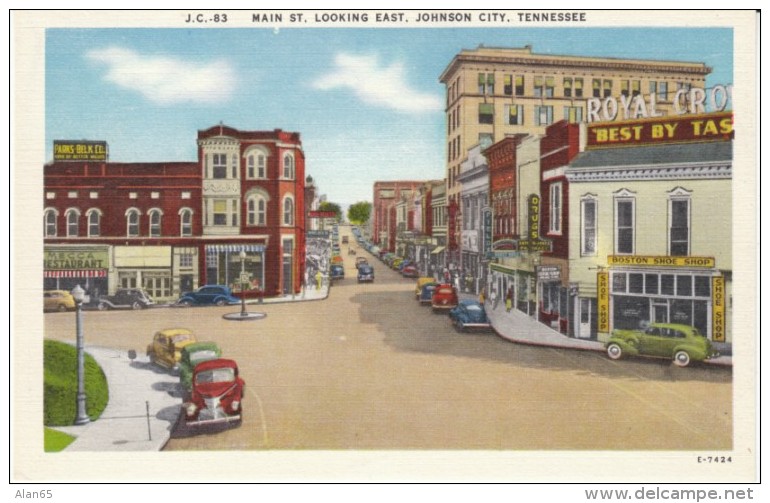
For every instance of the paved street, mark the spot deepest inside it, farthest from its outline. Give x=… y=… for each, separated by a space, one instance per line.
x=368 y=368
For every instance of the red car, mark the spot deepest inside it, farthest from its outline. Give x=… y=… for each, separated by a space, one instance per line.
x=217 y=393
x=409 y=271
x=444 y=297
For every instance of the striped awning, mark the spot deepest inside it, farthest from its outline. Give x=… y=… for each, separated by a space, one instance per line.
x=232 y=248
x=78 y=273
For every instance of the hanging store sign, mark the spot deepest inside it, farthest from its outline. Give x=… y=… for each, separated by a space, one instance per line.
x=69 y=150
x=548 y=273
x=718 y=126
x=603 y=301
x=533 y=242
x=661 y=261
x=718 y=308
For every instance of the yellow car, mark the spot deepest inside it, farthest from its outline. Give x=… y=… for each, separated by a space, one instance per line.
x=166 y=347
x=420 y=283
x=58 y=300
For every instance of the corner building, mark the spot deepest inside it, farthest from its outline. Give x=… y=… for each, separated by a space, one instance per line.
x=172 y=227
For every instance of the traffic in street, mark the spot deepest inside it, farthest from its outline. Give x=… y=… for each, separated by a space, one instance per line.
x=370 y=367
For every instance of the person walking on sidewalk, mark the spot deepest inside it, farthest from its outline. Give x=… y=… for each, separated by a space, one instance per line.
x=509 y=300
x=318 y=279
x=493 y=298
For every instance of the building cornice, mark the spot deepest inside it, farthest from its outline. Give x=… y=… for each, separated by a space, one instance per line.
x=692 y=171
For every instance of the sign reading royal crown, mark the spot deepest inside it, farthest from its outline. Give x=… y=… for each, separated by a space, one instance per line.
x=79 y=150
x=717 y=126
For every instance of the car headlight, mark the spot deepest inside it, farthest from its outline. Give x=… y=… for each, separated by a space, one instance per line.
x=235 y=405
x=190 y=408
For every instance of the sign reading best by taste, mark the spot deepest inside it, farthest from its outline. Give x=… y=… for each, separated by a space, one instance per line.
x=664 y=130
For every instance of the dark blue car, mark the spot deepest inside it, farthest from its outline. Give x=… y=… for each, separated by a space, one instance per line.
x=209 y=295
x=426 y=293
x=337 y=271
x=469 y=314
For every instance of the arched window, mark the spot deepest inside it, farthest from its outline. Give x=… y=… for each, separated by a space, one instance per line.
x=154 y=216
x=256 y=163
x=288 y=211
x=132 y=222
x=288 y=166
x=94 y=222
x=73 y=220
x=49 y=222
x=185 y=222
x=256 y=207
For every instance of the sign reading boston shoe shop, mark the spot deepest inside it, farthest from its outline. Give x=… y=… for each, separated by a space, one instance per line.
x=79 y=150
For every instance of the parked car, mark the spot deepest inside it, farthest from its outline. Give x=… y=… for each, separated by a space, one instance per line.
x=366 y=274
x=469 y=314
x=409 y=271
x=444 y=297
x=192 y=355
x=682 y=343
x=126 y=298
x=166 y=346
x=426 y=293
x=219 y=295
x=337 y=271
x=217 y=393
x=421 y=281
x=58 y=300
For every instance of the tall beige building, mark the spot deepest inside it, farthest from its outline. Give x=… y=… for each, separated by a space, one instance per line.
x=492 y=92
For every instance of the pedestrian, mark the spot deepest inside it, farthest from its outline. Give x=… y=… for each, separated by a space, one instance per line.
x=481 y=297
x=509 y=300
x=493 y=298
x=318 y=279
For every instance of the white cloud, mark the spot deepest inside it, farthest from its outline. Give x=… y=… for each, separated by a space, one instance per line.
x=377 y=85
x=166 y=80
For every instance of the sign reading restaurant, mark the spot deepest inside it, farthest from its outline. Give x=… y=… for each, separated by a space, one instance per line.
x=79 y=150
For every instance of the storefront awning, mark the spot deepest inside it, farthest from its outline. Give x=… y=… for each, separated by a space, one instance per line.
x=210 y=249
x=438 y=250
x=83 y=273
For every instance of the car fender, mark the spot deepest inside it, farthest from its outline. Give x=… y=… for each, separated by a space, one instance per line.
x=629 y=347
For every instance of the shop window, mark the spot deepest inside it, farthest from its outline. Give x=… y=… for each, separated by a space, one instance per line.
x=683 y=285
x=186 y=260
x=635 y=283
x=702 y=286
x=667 y=284
x=651 y=284
x=127 y=279
x=486 y=113
x=157 y=285
x=619 y=282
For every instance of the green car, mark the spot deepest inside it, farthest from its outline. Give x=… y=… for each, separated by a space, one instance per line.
x=682 y=343
x=192 y=355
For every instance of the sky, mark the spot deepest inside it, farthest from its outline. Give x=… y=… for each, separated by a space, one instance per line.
x=367 y=102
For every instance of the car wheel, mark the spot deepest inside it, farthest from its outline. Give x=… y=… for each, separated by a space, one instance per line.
x=615 y=352
x=220 y=302
x=185 y=303
x=136 y=305
x=102 y=306
x=62 y=308
x=681 y=359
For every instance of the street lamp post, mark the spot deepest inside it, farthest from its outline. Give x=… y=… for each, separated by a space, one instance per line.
x=81 y=418
x=243 y=285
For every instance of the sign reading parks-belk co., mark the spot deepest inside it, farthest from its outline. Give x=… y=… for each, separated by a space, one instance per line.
x=79 y=150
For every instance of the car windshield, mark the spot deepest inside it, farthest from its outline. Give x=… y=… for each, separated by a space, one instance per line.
x=473 y=307
x=215 y=375
x=204 y=354
x=180 y=338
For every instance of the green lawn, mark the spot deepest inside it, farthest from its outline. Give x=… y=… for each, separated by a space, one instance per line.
x=60 y=385
x=55 y=441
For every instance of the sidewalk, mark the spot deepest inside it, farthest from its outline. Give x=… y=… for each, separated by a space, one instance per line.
x=516 y=326
x=145 y=401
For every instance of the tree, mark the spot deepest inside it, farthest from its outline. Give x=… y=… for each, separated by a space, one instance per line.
x=358 y=213
x=327 y=206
